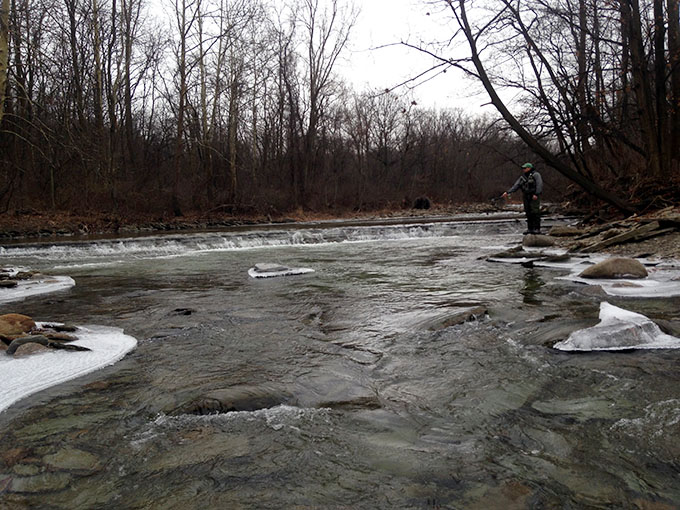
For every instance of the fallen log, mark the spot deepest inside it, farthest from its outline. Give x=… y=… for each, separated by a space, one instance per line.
x=638 y=234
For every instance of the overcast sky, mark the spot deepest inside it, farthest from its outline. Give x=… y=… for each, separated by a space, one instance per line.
x=384 y=22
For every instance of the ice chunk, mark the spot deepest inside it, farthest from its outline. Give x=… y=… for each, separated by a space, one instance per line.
x=267 y=270
x=619 y=329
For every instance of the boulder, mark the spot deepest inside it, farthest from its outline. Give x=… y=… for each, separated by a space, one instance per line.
x=616 y=268
x=537 y=240
x=29 y=348
x=422 y=203
x=8 y=284
x=14 y=324
x=26 y=275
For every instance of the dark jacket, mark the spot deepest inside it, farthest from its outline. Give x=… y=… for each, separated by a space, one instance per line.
x=530 y=183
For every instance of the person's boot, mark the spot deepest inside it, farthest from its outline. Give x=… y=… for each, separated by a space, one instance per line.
x=531 y=221
x=537 y=225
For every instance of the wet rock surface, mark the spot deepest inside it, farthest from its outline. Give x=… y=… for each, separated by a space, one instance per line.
x=238 y=398
x=617 y=267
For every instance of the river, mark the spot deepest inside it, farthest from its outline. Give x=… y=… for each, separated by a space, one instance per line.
x=380 y=403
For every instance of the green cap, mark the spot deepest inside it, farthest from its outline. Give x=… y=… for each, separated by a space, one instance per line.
x=527 y=165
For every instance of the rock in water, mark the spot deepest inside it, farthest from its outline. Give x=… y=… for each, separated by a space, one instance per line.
x=537 y=240
x=616 y=268
x=237 y=398
x=565 y=231
x=15 y=324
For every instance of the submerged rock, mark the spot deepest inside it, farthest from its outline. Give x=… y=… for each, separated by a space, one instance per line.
x=237 y=398
x=458 y=317
x=616 y=268
x=72 y=459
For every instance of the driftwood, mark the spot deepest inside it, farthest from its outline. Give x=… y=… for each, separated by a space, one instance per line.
x=633 y=229
x=42 y=340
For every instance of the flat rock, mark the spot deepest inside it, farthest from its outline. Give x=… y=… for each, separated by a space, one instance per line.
x=30 y=348
x=616 y=268
x=537 y=240
x=565 y=231
x=45 y=482
x=72 y=459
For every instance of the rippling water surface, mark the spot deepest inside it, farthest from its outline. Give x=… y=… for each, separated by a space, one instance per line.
x=377 y=400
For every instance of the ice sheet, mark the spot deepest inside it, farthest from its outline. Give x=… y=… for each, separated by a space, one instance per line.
x=267 y=270
x=39 y=284
x=25 y=375
x=619 y=329
x=663 y=280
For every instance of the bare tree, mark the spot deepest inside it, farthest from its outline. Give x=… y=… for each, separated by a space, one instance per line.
x=4 y=53
x=327 y=27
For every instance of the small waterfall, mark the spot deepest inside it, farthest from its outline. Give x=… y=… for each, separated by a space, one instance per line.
x=164 y=245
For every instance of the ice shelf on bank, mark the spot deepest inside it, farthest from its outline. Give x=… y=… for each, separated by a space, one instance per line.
x=663 y=280
x=38 y=284
x=28 y=374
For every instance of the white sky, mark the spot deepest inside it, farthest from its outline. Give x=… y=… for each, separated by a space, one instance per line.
x=384 y=22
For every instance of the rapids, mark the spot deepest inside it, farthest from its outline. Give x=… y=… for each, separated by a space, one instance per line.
x=385 y=407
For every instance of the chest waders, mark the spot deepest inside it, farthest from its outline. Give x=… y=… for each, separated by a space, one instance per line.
x=532 y=208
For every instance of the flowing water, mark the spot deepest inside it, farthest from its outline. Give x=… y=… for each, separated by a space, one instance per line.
x=376 y=399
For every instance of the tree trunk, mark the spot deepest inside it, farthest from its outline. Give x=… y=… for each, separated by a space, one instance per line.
x=660 y=92
x=130 y=19
x=232 y=139
x=179 y=136
x=4 y=54
x=582 y=84
x=674 y=61
x=71 y=7
x=630 y=10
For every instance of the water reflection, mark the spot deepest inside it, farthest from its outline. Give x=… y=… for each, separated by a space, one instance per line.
x=532 y=285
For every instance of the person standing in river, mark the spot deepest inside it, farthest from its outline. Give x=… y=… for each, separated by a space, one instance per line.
x=531 y=184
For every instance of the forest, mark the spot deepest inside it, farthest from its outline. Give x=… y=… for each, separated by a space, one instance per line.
x=236 y=106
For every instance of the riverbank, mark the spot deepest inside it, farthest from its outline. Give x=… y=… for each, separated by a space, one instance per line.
x=36 y=225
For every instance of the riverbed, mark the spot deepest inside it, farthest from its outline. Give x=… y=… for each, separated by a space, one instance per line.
x=382 y=401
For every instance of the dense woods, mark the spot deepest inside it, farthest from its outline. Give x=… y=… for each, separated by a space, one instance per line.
x=236 y=106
